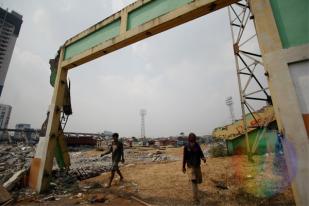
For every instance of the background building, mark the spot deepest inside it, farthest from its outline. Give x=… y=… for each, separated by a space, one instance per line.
x=10 y=23
x=5 y=113
x=22 y=126
x=24 y=134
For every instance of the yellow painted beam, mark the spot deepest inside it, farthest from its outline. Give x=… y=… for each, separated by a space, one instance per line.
x=42 y=163
x=183 y=14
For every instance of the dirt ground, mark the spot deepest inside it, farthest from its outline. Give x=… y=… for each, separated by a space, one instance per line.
x=226 y=181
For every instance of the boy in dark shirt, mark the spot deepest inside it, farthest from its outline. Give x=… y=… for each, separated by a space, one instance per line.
x=192 y=155
x=117 y=155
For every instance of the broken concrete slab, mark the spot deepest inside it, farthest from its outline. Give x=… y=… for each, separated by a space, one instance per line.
x=9 y=185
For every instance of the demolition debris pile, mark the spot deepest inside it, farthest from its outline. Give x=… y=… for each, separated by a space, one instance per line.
x=86 y=163
x=83 y=167
x=14 y=158
x=148 y=155
x=225 y=178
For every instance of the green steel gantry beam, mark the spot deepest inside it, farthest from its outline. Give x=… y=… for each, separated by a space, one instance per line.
x=135 y=22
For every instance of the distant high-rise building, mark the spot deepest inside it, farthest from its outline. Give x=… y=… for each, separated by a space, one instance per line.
x=5 y=113
x=10 y=23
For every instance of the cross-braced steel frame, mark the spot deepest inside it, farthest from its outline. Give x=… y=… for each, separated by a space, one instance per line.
x=249 y=66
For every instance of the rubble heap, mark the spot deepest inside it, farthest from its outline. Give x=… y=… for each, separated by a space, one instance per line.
x=148 y=156
x=14 y=158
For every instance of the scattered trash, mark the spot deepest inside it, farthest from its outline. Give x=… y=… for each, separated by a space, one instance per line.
x=220 y=184
x=98 y=199
x=79 y=195
x=49 y=198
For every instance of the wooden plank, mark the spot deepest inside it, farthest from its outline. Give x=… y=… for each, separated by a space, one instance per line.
x=9 y=185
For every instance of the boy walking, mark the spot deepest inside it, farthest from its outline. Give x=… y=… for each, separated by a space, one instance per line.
x=192 y=155
x=117 y=155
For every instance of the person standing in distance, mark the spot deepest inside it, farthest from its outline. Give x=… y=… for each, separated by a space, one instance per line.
x=117 y=155
x=192 y=155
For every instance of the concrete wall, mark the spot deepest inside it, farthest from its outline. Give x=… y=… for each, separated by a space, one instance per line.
x=300 y=76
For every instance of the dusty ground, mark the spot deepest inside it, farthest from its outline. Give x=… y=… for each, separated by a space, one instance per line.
x=163 y=183
x=248 y=184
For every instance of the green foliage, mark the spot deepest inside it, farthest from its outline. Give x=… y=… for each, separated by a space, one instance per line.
x=218 y=150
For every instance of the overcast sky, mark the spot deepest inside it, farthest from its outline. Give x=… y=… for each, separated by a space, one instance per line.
x=181 y=77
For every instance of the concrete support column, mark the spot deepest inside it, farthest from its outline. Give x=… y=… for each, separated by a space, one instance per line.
x=42 y=163
x=124 y=21
x=285 y=100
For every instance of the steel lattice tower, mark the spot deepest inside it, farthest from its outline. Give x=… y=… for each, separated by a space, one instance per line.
x=229 y=102
x=248 y=61
x=143 y=113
